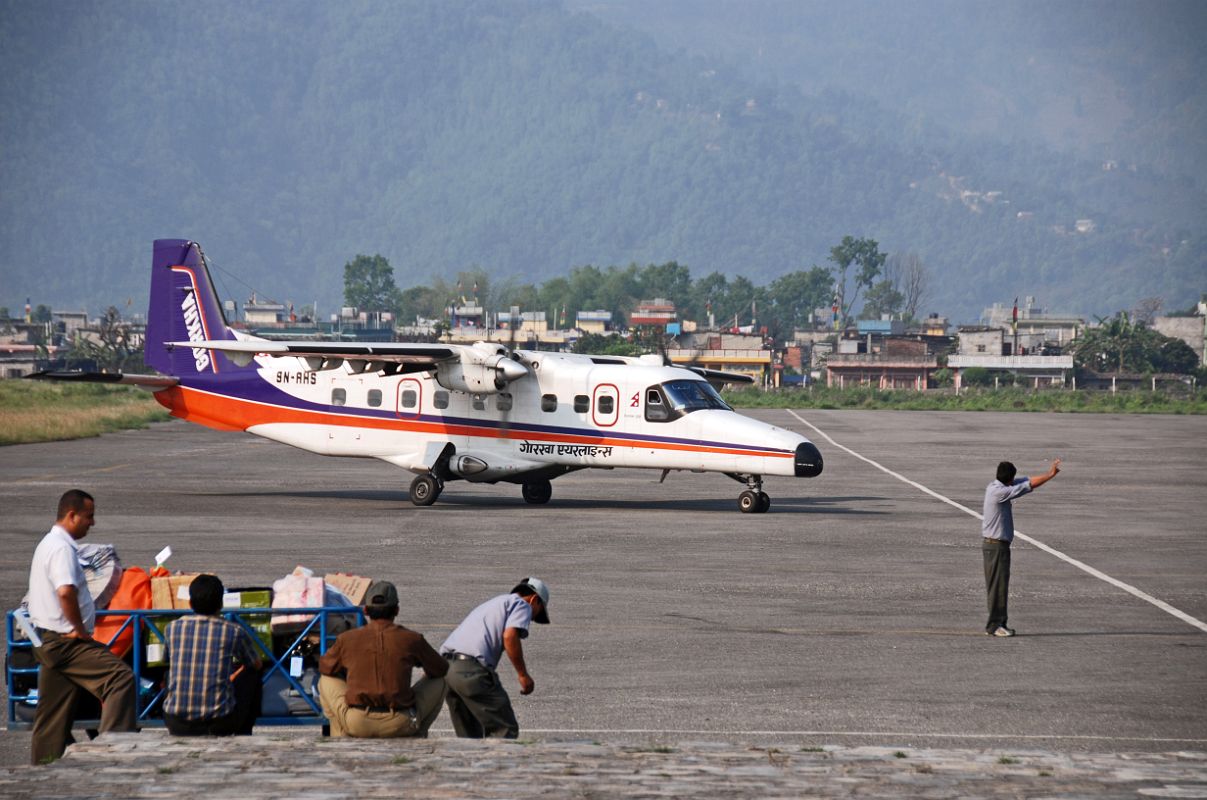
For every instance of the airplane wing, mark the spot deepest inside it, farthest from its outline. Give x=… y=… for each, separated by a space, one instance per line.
x=150 y=381
x=371 y=356
x=719 y=378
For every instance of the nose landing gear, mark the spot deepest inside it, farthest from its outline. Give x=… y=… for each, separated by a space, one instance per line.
x=754 y=500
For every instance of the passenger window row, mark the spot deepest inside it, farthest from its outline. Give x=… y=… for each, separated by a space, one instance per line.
x=409 y=399
x=339 y=397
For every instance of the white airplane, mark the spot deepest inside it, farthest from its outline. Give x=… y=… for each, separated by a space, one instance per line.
x=480 y=413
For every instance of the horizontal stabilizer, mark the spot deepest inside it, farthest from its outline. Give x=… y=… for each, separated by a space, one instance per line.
x=153 y=381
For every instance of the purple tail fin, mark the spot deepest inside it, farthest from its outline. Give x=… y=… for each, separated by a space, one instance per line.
x=183 y=307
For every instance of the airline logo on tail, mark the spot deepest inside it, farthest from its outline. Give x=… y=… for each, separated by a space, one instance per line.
x=194 y=322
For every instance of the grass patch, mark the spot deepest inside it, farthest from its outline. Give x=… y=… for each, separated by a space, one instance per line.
x=1007 y=760
x=401 y=760
x=900 y=754
x=1132 y=401
x=33 y=411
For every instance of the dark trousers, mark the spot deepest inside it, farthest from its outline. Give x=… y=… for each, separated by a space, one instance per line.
x=997 y=581
x=69 y=667
x=477 y=702
x=239 y=722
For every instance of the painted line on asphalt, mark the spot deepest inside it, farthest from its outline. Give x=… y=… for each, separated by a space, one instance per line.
x=874 y=734
x=1102 y=576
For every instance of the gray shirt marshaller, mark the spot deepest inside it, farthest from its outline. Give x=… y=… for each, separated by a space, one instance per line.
x=998 y=515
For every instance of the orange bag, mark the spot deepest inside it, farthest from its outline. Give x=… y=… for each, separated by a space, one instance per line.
x=133 y=593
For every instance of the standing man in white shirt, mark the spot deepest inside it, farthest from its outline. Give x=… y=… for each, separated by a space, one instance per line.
x=63 y=614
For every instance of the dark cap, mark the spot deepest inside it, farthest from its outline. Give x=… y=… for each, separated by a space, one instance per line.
x=381 y=594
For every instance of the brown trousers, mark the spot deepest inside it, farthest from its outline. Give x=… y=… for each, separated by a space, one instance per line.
x=69 y=667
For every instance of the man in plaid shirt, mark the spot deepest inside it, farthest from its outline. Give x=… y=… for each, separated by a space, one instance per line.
x=208 y=694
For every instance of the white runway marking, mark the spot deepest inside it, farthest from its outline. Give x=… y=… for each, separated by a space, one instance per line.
x=871 y=734
x=1102 y=576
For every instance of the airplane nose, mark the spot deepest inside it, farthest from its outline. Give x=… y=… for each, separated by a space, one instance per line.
x=808 y=460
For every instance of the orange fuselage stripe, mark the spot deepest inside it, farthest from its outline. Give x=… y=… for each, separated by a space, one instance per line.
x=223 y=412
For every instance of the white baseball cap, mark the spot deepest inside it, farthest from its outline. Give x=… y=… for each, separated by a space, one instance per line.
x=542 y=591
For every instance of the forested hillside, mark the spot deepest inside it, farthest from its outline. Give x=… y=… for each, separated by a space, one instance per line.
x=523 y=139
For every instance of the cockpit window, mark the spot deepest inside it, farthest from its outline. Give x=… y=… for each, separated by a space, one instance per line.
x=689 y=396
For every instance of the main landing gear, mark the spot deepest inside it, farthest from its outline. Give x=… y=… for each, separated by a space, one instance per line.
x=754 y=500
x=425 y=489
x=537 y=492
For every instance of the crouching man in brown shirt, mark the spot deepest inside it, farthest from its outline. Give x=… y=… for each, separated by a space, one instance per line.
x=365 y=684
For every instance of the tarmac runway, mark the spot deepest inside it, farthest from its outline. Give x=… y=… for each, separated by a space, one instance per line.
x=850 y=614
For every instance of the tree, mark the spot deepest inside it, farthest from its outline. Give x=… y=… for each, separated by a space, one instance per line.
x=791 y=298
x=863 y=254
x=671 y=280
x=883 y=298
x=369 y=284
x=419 y=301
x=912 y=279
x=597 y=345
x=706 y=293
x=1174 y=355
x=1147 y=310
x=1118 y=345
x=111 y=350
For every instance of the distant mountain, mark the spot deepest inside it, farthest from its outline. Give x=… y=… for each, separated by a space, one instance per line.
x=525 y=138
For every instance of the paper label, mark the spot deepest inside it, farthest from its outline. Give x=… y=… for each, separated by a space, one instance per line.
x=295 y=667
x=155 y=651
x=162 y=556
x=182 y=592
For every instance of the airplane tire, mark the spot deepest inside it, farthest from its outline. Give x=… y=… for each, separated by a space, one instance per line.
x=537 y=492
x=764 y=503
x=748 y=502
x=424 y=490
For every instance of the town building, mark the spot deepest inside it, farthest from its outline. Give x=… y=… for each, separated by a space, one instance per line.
x=1036 y=325
x=745 y=354
x=1192 y=330
x=598 y=322
x=885 y=362
x=991 y=349
x=658 y=312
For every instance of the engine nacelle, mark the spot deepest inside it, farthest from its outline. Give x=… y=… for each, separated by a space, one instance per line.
x=484 y=368
x=488 y=468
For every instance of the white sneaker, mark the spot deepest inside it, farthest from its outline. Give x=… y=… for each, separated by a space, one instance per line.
x=1001 y=630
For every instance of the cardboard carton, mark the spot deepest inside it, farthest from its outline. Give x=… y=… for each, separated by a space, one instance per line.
x=352 y=587
x=172 y=591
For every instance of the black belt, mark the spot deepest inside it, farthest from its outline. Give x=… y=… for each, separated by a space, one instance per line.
x=382 y=709
x=459 y=657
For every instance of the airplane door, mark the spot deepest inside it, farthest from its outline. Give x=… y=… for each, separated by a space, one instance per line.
x=605 y=405
x=409 y=399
